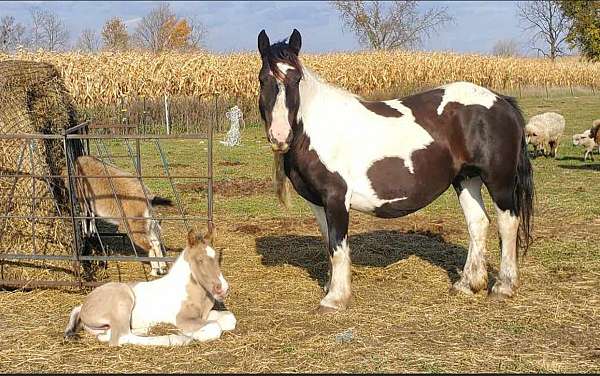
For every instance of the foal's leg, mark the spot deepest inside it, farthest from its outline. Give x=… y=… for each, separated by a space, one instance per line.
x=338 y=296
x=474 y=277
x=226 y=319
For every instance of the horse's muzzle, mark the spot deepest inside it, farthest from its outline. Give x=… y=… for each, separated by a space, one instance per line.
x=280 y=147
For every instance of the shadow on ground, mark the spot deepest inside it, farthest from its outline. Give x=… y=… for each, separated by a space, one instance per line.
x=591 y=167
x=377 y=248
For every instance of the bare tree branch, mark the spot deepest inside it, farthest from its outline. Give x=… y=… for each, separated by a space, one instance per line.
x=88 y=41
x=12 y=34
x=549 y=25
x=390 y=25
x=48 y=31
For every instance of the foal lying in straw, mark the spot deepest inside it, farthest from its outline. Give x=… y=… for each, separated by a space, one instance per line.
x=120 y=313
x=105 y=193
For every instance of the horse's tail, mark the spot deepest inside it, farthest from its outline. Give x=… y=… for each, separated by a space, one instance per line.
x=523 y=194
x=161 y=201
x=74 y=324
x=280 y=180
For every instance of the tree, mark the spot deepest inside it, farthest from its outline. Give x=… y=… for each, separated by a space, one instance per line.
x=88 y=41
x=382 y=26
x=506 y=48
x=197 y=34
x=12 y=34
x=162 y=30
x=48 y=30
x=548 y=23
x=114 y=35
x=585 y=30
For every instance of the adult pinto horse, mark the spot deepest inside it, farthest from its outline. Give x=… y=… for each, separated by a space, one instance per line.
x=394 y=157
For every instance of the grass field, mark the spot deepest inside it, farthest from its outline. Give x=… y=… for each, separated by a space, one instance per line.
x=402 y=317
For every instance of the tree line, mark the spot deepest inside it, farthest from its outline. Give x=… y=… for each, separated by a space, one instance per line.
x=554 y=27
x=159 y=30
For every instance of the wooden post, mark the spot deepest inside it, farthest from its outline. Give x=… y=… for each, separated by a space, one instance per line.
x=167 y=122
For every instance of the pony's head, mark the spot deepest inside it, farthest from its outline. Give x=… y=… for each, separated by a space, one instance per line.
x=205 y=264
x=279 y=98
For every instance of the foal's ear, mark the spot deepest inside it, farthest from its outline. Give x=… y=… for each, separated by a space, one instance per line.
x=263 y=43
x=295 y=42
x=210 y=235
x=192 y=238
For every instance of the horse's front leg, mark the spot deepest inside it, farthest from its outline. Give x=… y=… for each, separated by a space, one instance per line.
x=339 y=292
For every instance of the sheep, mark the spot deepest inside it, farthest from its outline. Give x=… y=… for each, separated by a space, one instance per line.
x=587 y=142
x=545 y=129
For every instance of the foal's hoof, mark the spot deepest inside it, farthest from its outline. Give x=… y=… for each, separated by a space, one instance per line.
x=325 y=310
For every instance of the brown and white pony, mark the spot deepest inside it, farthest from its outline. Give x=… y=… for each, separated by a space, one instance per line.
x=391 y=158
x=121 y=313
x=104 y=193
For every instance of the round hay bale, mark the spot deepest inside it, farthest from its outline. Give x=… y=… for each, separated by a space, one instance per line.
x=34 y=100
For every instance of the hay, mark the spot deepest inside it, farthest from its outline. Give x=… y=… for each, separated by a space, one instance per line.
x=33 y=99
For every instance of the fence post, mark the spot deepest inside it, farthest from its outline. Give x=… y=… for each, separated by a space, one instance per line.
x=167 y=115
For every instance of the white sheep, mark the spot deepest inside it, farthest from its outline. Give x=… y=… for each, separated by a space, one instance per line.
x=584 y=140
x=545 y=129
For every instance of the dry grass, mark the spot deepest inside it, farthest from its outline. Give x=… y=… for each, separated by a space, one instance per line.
x=105 y=78
x=402 y=317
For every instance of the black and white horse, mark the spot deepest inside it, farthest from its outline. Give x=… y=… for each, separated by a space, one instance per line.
x=394 y=157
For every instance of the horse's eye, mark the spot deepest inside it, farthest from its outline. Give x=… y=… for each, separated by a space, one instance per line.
x=534 y=135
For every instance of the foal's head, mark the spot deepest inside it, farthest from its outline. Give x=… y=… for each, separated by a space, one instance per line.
x=279 y=78
x=205 y=264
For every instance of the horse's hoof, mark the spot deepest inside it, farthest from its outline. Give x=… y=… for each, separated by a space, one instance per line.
x=325 y=310
x=460 y=287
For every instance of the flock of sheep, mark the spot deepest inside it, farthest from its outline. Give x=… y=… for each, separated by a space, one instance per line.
x=545 y=130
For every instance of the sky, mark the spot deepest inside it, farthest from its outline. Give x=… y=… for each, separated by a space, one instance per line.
x=234 y=25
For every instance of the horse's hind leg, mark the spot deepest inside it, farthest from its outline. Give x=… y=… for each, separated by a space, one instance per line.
x=508 y=228
x=474 y=276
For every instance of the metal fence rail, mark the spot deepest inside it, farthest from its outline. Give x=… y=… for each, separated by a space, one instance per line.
x=81 y=133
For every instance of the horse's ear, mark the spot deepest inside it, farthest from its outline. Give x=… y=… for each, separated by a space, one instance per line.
x=192 y=238
x=295 y=41
x=263 y=43
x=210 y=234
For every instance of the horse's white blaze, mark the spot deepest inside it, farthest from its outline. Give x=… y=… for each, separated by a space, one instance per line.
x=466 y=94
x=283 y=67
x=280 y=124
x=210 y=252
x=224 y=284
x=339 y=284
x=349 y=138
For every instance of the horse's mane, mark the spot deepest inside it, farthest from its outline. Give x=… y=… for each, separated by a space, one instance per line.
x=280 y=52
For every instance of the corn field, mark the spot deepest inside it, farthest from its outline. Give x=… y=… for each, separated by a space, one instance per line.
x=105 y=78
